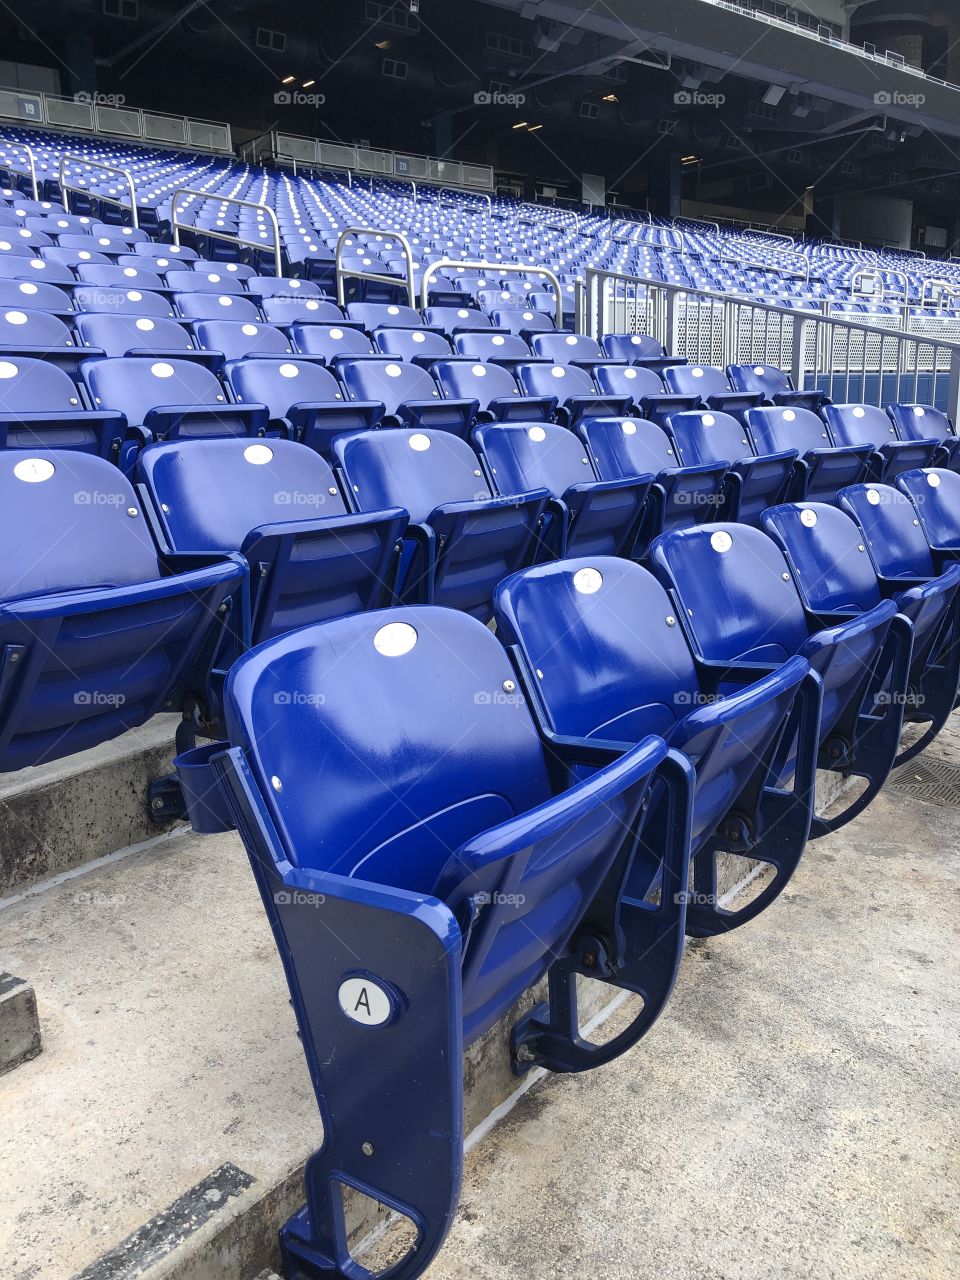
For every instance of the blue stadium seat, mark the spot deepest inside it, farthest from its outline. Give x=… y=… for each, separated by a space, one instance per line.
x=752 y=483
x=774 y=385
x=216 y=282
x=417 y=346
x=495 y=390
x=276 y=504
x=935 y=494
x=923 y=422
x=680 y=496
x=438 y=911
x=36 y=296
x=637 y=348
x=409 y=396
x=455 y=319
x=216 y=306
x=304 y=399
x=521 y=321
x=38 y=335
x=170 y=399
x=585 y=516
x=236 y=338
x=491 y=347
x=598 y=649
x=41 y=407
x=383 y=315
x=836 y=574
x=116 y=277
x=36 y=269
x=461 y=539
x=576 y=395
x=734 y=592
x=821 y=469
x=865 y=424
x=711 y=386
x=98 y=632
x=130 y=302
x=172 y=252
x=643 y=386
x=283 y=286
x=330 y=342
x=73 y=259
x=124 y=335
x=568 y=348
x=283 y=310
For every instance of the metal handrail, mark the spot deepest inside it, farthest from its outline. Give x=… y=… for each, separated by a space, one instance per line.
x=880 y=271
x=107 y=168
x=372 y=275
x=948 y=289
x=479 y=195
x=22 y=146
x=508 y=268
x=225 y=235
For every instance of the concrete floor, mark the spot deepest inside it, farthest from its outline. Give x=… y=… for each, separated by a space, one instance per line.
x=795 y=1113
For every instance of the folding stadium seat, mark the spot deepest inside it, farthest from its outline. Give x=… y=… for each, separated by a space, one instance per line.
x=440 y=910
x=106 y=246
x=36 y=269
x=774 y=385
x=409 y=396
x=638 y=348
x=22 y=243
x=584 y=515
x=117 y=277
x=752 y=482
x=711 y=386
x=70 y=259
x=577 y=396
x=821 y=469
x=54 y=224
x=131 y=302
x=36 y=297
x=283 y=286
x=680 y=496
x=603 y=663
x=844 y=561
x=461 y=539
x=645 y=391
x=236 y=339
x=170 y=399
x=216 y=306
x=860 y=424
x=935 y=494
x=330 y=342
x=218 y=282
x=123 y=335
x=305 y=400
x=417 y=346
x=521 y=321
x=568 y=348
x=86 y=661
x=923 y=422
x=38 y=335
x=507 y=349
x=276 y=504
x=495 y=390
x=383 y=315
x=455 y=319
x=280 y=309
x=733 y=590
x=234 y=270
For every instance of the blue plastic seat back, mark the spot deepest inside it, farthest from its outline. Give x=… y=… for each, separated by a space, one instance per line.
x=560 y=380
x=765 y=378
x=461 y=380
x=450 y=319
x=710 y=436
x=563 y=347
x=383 y=315
x=853 y=424
x=174 y=252
x=890 y=529
x=31 y=385
x=24 y=327
x=491 y=346
x=134 y=385
x=282 y=309
x=696 y=380
x=408 y=344
x=935 y=495
x=62 y=256
x=280 y=286
x=522 y=320
x=30 y=268
x=35 y=295
x=238 y=338
x=534 y=456
x=213 y=493
x=416 y=470
x=595 y=632
x=216 y=306
x=736 y=587
x=920 y=422
x=827 y=556
x=631 y=346
x=131 y=302
x=775 y=429
x=20 y=243
x=280 y=384
x=117 y=277
x=628 y=380
x=329 y=341
x=389 y=381
x=117 y=334
x=622 y=447
x=218 y=282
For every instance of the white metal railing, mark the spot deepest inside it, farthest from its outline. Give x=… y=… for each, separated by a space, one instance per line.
x=105 y=113
x=65 y=186
x=851 y=359
x=501 y=268
x=317 y=154
x=31 y=161
x=378 y=277
x=176 y=226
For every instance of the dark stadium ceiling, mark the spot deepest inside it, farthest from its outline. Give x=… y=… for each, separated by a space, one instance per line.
x=616 y=87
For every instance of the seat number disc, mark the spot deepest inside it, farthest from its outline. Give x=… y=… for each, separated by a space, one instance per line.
x=365 y=1001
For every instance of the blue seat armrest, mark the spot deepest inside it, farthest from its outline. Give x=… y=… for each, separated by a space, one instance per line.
x=519 y=409
x=318 y=423
x=444 y=415
x=534 y=499
x=212 y=360
x=63 y=357
x=658 y=407
x=576 y=408
x=714 y=674
x=260 y=542
x=658 y=363
x=842 y=627
x=734 y=402
x=165 y=422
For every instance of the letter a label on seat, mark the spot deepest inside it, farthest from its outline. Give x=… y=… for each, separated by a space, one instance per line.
x=365 y=1001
